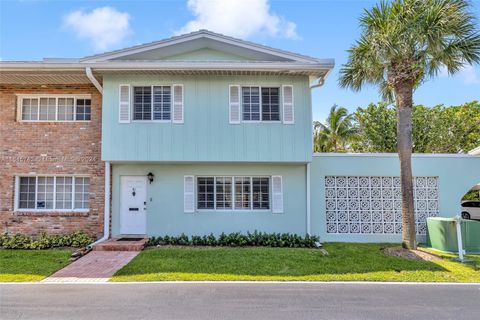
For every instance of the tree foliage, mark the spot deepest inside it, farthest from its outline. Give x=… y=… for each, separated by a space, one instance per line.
x=336 y=133
x=439 y=129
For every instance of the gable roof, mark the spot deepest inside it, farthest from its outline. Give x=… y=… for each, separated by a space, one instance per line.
x=203 y=39
x=156 y=58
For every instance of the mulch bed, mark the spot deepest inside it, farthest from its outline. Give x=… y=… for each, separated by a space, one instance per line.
x=410 y=254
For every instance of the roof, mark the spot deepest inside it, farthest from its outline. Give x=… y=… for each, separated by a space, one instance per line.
x=154 y=57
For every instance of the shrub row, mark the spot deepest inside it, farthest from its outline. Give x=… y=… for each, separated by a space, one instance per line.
x=45 y=241
x=238 y=239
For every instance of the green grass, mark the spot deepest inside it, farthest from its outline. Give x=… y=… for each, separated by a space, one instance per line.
x=345 y=262
x=31 y=265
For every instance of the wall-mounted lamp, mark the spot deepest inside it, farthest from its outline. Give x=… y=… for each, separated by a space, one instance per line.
x=150 y=177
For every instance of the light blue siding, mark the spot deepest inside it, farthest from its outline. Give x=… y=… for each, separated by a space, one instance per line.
x=206 y=54
x=206 y=134
x=457 y=174
x=165 y=211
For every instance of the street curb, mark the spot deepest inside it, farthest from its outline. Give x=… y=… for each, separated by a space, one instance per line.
x=251 y=282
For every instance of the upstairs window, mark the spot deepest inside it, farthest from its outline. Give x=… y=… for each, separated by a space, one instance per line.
x=260 y=104
x=152 y=103
x=55 y=108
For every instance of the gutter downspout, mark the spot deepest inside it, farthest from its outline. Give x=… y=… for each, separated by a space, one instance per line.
x=89 y=74
x=319 y=82
x=106 y=208
x=309 y=231
x=458 y=222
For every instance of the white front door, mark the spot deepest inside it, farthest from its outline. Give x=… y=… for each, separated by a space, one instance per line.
x=133 y=205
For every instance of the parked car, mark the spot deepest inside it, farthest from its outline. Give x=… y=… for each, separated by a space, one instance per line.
x=471 y=209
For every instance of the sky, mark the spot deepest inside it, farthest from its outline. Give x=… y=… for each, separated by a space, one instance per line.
x=34 y=29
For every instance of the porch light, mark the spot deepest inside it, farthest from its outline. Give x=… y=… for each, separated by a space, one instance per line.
x=150 y=177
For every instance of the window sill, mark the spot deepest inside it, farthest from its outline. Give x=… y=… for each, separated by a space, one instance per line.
x=55 y=121
x=233 y=211
x=48 y=213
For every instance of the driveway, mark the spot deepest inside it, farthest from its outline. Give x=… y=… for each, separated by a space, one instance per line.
x=239 y=301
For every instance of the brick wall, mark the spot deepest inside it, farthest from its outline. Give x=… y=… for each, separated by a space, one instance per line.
x=50 y=148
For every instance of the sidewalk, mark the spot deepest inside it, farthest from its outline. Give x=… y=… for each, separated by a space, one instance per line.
x=96 y=266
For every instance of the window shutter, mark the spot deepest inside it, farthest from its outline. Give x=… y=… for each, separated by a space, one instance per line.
x=188 y=194
x=277 y=192
x=124 y=103
x=288 y=107
x=234 y=104
x=177 y=103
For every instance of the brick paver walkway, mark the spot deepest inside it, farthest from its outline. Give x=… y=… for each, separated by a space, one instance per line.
x=96 y=266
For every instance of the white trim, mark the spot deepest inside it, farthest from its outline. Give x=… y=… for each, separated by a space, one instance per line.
x=280 y=105
x=292 y=105
x=280 y=204
x=54 y=176
x=106 y=207
x=308 y=173
x=233 y=209
x=126 y=104
x=237 y=104
x=46 y=95
x=174 y=103
x=75 y=97
x=317 y=69
x=91 y=77
x=185 y=193
x=16 y=196
x=199 y=35
x=393 y=155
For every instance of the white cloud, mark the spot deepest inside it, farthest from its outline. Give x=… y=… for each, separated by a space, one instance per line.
x=468 y=74
x=238 y=18
x=104 y=26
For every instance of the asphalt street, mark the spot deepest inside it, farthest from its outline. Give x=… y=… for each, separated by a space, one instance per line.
x=239 y=301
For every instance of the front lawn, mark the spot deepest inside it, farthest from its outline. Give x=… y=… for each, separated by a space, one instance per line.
x=345 y=262
x=31 y=265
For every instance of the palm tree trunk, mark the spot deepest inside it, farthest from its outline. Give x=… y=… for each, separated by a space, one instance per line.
x=404 y=100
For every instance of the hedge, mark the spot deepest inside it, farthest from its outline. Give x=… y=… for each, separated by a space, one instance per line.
x=238 y=239
x=45 y=241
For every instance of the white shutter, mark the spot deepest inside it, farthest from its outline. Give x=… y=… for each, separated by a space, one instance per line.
x=124 y=103
x=288 y=107
x=177 y=103
x=277 y=194
x=188 y=194
x=234 y=104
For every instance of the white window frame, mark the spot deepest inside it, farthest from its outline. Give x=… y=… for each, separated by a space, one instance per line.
x=280 y=104
x=36 y=176
x=20 y=98
x=132 y=103
x=233 y=209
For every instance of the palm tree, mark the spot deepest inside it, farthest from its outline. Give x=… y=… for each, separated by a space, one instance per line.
x=402 y=44
x=335 y=134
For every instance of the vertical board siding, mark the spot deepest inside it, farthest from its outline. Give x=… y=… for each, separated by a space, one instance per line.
x=206 y=133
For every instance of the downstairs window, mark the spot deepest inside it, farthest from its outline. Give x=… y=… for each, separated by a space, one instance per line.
x=53 y=193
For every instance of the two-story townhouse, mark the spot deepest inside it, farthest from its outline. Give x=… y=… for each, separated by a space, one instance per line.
x=200 y=133
x=206 y=133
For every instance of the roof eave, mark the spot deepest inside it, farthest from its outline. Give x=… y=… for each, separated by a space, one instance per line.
x=322 y=66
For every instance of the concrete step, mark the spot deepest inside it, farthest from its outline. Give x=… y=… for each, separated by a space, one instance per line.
x=121 y=245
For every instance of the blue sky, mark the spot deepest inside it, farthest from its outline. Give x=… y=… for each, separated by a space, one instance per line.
x=31 y=30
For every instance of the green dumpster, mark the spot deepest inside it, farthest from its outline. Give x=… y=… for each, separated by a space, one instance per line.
x=442 y=234
x=471 y=236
